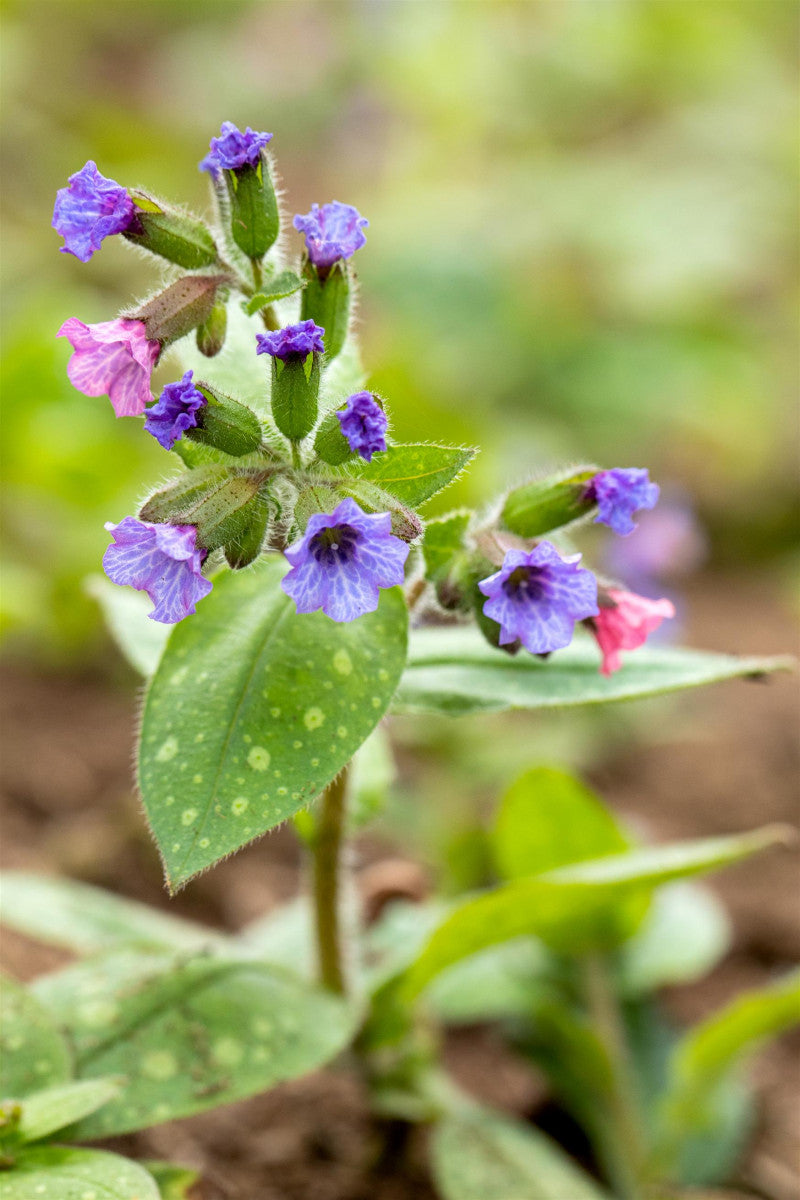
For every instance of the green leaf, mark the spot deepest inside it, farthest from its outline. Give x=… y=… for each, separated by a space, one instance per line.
x=33 y=1054
x=372 y=774
x=140 y=640
x=62 y=1173
x=550 y=503
x=284 y=284
x=444 y=539
x=502 y=981
x=684 y=935
x=704 y=1063
x=57 y=1107
x=413 y=473
x=574 y=909
x=174 y=1183
x=63 y=912
x=189 y=1036
x=452 y=670
x=254 y=709
x=479 y=1155
x=548 y=818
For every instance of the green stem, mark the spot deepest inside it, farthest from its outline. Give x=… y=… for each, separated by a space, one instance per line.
x=297 y=461
x=327 y=853
x=622 y=1144
x=258 y=274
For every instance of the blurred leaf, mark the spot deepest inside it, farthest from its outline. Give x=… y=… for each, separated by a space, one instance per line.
x=54 y=1108
x=62 y=1173
x=174 y=1183
x=548 y=504
x=502 y=981
x=480 y=1155
x=684 y=935
x=64 y=912
x=125 y=610
x=574 y=909
x=452 y=670
x=548 y=818
x=372 y=773
x=412 y=473
x=444 y=539
x=192 y=1035
x=291 y=699
x=284 y=937
x=33 y=1054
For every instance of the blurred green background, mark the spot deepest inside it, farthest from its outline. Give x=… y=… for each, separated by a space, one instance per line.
x=582 y=241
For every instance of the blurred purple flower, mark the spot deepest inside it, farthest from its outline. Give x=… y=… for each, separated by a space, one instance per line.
x=161 y=560
x=537 y=596
x=175 y=412
x=234 y=149
x=90 y=209
x=364 y=425
x=331 y=232
x=618 y=494
x=113 y=358
x=293 y=341
x=342 y=561
x=667 y=543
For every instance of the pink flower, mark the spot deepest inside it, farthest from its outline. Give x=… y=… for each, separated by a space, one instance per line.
x=627 y=624
x=113 y=358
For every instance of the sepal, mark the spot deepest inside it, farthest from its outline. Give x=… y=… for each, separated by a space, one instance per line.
x=214 y=499
x=180 y=308
x=171 y=234
x=254 y=218
x=330 y=444
x=211 y=334
x=295 y=391
x=245 y=547
x=225 y=423
x=326 y=300
x=547 y=504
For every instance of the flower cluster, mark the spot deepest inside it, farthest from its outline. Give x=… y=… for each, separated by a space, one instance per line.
x=234 y=149
x=342 y=560
x=332 y=232
x=364 y=425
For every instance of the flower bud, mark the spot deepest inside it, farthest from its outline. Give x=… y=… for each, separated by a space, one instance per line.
x=326 y=301
x=296 y=352
x=546 y=504
x=239 y=157
x=170 y=233
x=225 y=423
x=211 y=334
x=245 y=546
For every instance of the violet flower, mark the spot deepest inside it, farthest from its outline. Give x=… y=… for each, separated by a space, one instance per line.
x=175 y=411
x=364 y=424
x=626 y=623
x=113 y=358
x=537 y=596
x=331 y=232
x=293 y=341
x=618 y=494
x=342 y=561
x=90 y=209
x=234 y=149
x=162 y=560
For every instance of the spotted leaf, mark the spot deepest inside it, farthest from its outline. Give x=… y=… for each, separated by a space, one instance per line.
x=33 y=1054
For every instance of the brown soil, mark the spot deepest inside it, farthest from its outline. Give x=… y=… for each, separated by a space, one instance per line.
x=69 y=809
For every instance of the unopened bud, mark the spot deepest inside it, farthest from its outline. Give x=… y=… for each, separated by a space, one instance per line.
x=326 y=300
x=225 y=423
x=211 y=334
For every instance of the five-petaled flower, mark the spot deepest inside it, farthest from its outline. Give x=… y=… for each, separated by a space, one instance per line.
x=114 y=359
x=342 y=561
x=618 y=494
x=293 y=341
x=625 y=624
x=175 y=411
x=331 y=232
x=364 y=424
x=537 y=596
x=234 y=149
x=162 y=560
x=90 y=209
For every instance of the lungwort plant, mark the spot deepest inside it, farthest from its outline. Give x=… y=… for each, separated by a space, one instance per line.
x=282 y=564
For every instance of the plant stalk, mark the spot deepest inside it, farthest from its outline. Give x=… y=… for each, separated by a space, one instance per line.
x=623 y=1147
x=326 y=878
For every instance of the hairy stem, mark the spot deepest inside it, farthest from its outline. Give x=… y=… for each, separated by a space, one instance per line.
x=622 y=1149
x=327 y=855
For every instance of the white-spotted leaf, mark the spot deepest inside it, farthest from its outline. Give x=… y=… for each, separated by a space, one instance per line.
x=33 y=1054
x=64 y=1173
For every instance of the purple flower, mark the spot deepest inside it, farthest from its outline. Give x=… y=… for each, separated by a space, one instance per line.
x=161 y=560
x=536 y=598
x=342 y=560
x=113 y=358
x=175 y=412
x=90 y=209
x=294 y=341
x=618 y=494
x=332 y=232
x=364 y=425
x=233 y=149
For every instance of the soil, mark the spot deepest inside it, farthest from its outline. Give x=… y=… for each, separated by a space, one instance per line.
x=68 y=808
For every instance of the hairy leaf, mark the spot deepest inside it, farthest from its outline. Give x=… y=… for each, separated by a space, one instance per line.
x=413 y=473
